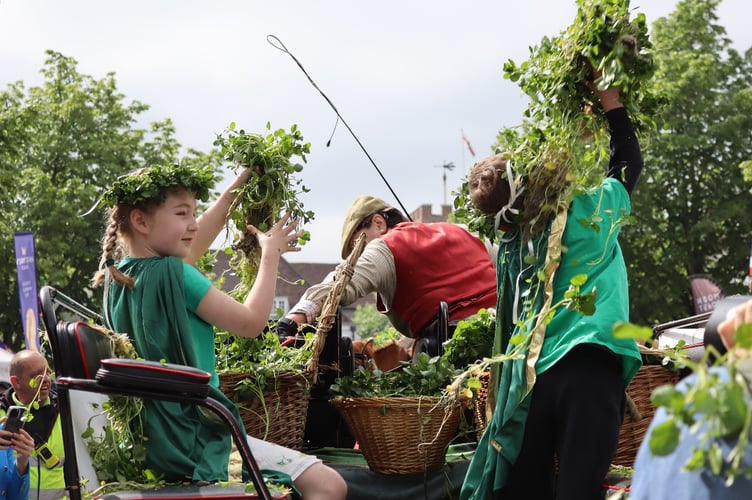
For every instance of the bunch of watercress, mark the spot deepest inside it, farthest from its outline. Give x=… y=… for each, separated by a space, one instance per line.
x=547 y=150
x=275 y=158
x=425 y=376
x=262 y=357
x=472 y=340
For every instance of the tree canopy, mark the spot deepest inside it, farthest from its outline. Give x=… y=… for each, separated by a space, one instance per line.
x=61 y=144
x=691 y=208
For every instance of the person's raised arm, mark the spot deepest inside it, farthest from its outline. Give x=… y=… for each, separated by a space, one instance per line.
x=214 y=218
x=248 y=319
x=626 y=162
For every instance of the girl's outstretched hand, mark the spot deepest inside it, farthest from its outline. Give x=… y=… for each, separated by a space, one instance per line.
x=281 y=238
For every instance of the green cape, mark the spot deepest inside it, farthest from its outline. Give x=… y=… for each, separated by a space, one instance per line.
x=182 y=440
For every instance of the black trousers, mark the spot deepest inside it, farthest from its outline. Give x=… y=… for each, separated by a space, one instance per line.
x=576 y=413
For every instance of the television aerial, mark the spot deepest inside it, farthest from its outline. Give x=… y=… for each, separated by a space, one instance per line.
x=447 y=166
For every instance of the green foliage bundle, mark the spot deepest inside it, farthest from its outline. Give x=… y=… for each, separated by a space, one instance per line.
x=271 y=189
x=118 y=456
x=472 y=340
x=548 y=154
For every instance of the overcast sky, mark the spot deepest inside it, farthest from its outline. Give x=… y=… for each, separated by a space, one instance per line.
x=407 y=76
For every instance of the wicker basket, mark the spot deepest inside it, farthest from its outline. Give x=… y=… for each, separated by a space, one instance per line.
x=648 y=378
x=280 y=418
x=479 y=408
x=401 y=435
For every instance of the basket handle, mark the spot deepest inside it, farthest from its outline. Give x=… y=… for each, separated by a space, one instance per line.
x=329 y=309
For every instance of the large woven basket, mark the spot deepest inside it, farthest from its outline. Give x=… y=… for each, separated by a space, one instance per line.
x=281 y=416
x=633 y=429
x=401 y=435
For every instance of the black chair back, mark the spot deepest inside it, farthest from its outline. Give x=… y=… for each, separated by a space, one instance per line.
x=83 y=358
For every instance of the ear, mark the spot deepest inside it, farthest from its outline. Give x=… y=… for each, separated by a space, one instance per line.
x=14 y=381
x=380 y=223
x=139 y=221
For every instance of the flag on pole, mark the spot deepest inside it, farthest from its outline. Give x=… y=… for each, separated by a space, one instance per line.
x=26 y=269
x=467 y=143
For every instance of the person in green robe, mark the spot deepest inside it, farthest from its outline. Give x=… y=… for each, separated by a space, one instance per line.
x=169 y=309
x=558 y=406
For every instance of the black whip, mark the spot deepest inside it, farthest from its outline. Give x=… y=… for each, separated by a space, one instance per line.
x=277 y=44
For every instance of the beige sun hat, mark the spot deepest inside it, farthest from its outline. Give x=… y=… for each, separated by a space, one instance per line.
x=361 y=208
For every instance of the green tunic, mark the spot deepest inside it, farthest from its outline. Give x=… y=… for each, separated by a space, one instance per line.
x=159 y=316
x=589 y=246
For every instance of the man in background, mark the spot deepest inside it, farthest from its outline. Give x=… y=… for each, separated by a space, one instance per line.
x=30 y=383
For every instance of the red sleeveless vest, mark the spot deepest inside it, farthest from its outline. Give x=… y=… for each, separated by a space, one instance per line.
x=435 y=262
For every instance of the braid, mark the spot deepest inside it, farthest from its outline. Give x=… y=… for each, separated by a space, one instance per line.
x=111 y=251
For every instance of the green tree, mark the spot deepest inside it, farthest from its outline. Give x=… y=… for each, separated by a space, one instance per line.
x=692 y=208
x=369 y=320
x=60 y=145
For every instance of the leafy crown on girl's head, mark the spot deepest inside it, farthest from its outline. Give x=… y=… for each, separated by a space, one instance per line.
x=152 y=184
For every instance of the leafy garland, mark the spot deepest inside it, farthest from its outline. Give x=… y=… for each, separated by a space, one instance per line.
x=549 y=157
x=152 y=183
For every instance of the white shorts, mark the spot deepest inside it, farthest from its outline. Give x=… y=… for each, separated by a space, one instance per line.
x=275 y=457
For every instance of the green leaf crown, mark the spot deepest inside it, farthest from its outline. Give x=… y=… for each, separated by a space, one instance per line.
x=152 y=184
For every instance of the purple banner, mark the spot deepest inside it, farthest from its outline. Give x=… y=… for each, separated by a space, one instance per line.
x=27 y=288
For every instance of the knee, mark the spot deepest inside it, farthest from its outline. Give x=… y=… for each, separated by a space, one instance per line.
x=321 y=482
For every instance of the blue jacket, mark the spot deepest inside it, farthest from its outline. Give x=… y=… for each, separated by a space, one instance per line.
x=13 y=486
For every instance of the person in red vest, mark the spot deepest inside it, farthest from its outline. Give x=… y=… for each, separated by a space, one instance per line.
x=412 y=267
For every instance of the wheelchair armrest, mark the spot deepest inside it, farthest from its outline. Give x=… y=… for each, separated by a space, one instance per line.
x=139 y=374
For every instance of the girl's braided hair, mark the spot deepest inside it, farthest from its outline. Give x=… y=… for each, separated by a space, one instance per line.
x=112 y=249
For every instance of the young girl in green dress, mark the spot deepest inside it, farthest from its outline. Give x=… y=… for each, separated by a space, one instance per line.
x=169 y=309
